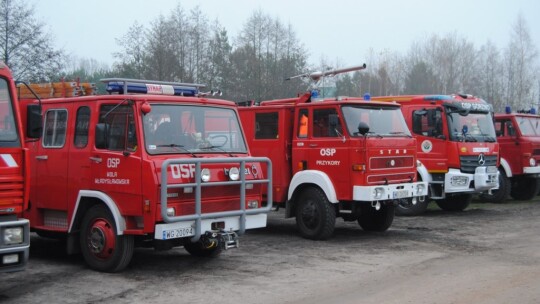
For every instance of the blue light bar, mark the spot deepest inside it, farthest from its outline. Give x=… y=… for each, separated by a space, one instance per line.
x=135 y=86
x=437 y=97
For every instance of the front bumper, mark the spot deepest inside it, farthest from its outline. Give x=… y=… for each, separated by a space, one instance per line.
x=532 y=170
x=14 y=257
x=483 y=179
x=187 y=228
x=389 y=192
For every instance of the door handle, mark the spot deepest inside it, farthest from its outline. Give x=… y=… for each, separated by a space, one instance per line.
x=42 y=157
x=96 y=159
x=313 y=145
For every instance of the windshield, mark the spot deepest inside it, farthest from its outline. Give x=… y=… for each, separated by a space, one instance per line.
x=381 y=120
x=529 y=126
x=471 y=127
x=192 y=129
x=8 y=131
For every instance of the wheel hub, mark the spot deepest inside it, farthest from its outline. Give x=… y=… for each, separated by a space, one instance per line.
x=101 y=239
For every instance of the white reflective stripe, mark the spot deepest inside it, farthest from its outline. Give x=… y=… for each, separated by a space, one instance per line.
x=9 y=160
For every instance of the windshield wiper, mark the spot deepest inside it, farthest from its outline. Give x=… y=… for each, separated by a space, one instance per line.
x=401 y=133
x=374 y=134
x=204 y=147
x=177 y=146
x=470 y=138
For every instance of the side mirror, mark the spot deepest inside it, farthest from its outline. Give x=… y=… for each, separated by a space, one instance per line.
x=101 y=135
x=34 y=121
x=363 y=128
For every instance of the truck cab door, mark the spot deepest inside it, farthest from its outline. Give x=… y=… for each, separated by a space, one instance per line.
x=428 y=126
x=323 y=147
x=116 y=158
x=49 y=190
x=509 y=143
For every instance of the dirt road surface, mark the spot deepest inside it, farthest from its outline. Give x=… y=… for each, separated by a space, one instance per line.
x=486 y=254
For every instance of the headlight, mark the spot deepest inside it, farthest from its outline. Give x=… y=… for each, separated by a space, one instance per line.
x=13 y=235
x=459 y=181
x=253 y=204
x=170 y=212
x=234 y=174
x=419 y=189
x=205 y=174
x=532 y=162
x=378 y=193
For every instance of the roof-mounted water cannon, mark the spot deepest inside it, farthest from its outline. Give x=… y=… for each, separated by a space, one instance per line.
x=139 y=86
x=316 y=76
x=321 y=89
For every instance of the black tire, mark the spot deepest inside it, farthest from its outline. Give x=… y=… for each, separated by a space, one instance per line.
x=376 y=220
x=524 y=188
x=500 y=195
x=455 y=202
x=406 y=208
x=315 y=216
x=102 y=248
x=197 y=249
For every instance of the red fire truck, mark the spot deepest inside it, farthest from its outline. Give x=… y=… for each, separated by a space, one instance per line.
x=14 y=177
x=335 y=157
x=518 y=135
x=457 y=145
x=150 y=169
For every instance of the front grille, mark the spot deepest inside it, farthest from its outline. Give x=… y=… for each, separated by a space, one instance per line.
x=469 y=163
x=390 y=162
x=11 y=191
x=536 y=151
x=388 y=179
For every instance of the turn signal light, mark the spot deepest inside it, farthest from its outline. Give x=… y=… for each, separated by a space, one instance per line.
x=359 y=167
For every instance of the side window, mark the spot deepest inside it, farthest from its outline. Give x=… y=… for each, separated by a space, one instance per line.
x=120 y=127
x=266 y=125
x=510 y=130
x=54 y=130
x=428 y=122
x=326 y=123
x=81 y=127
x=303 y=122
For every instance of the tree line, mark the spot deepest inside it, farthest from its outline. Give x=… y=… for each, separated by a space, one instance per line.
x=185 y=46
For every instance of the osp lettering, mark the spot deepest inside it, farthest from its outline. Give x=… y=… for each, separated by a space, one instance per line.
x=328 y=152
x=183 y=170
x=113 y=162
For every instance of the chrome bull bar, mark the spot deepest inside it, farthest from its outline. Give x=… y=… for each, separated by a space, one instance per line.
x=198 y=216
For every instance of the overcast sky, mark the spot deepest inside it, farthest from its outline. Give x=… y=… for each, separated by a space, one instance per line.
x=333 y=29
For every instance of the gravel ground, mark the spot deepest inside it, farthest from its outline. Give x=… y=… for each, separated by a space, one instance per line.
x=486 y=254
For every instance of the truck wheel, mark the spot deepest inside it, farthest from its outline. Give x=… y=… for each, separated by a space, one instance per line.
x=315 y=216
x=406 y=208
x=197 y=249
x=524 y=188
x=456 y=202
x=500 y=195
x=376 y=220
x=102 y=248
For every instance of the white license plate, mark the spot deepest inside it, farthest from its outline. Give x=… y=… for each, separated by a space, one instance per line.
x=401 y=193
x=177 y=233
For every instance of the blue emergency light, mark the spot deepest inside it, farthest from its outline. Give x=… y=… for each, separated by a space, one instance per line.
x=137 y=86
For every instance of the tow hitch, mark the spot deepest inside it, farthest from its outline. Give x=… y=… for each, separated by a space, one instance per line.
x=225 y=240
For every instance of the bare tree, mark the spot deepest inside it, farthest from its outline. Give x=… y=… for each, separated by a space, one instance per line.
x=520 y=64
x=26 y=48
x=267 y=52
x=489 y=72
x=132 y=61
